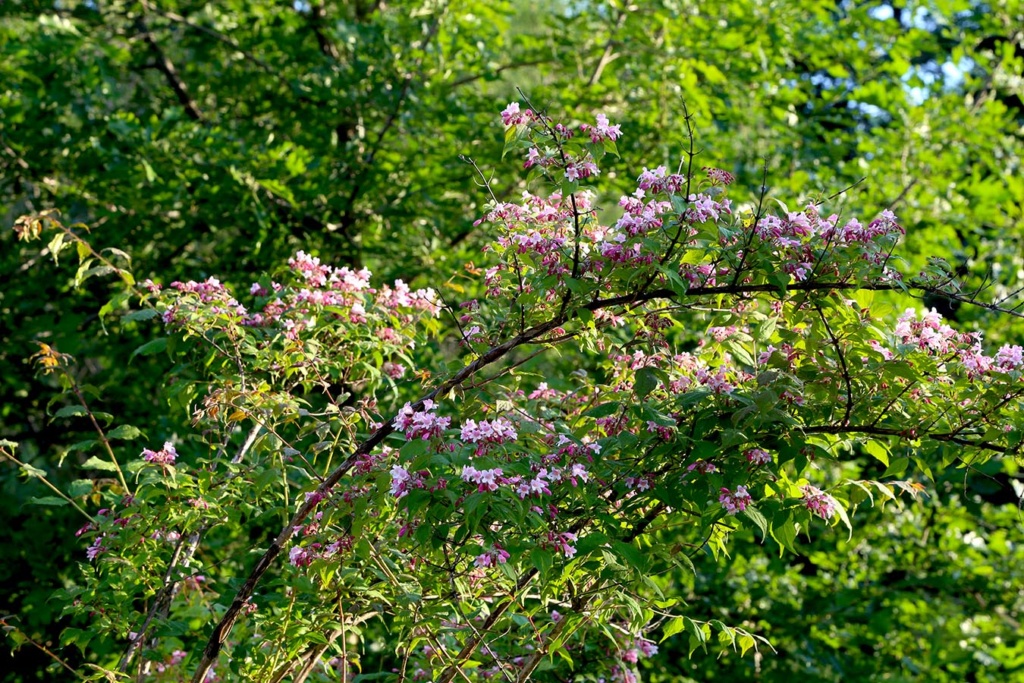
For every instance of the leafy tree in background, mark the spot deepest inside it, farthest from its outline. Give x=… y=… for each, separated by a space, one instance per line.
x=215 y=138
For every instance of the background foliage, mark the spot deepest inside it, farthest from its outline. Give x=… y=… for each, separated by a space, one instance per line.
x=215 y=138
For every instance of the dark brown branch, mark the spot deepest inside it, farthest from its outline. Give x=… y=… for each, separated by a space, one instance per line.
x=348 y=219
x=607 y=54
x=842 y=363
x=327 y=46
x=179 y=19
x=945 y=437
x=166 y=67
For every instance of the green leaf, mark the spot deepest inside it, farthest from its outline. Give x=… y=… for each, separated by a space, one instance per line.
x=53 y=501
x=841 y=513
x=55 y=245
x=542 y=559
x=80 y=487
x=150 y=173
x=784 y=532
x=150 y=348
x=95 y=463
x=70 y=411
x=672 y=627
x=144 y=314
x=698 y=636
x=755 y=516
x=633 y=556
x=878 y=450
x=126 y=432
x=646 y=382
x=604 y=410
x=32 y=471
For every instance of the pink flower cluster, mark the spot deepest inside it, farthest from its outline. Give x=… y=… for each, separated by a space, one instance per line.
x=537 y=486
x=579 y=170
x=702 y=466
x=486 y=480
x=639 y=648
x=211 y=293
x=1009 y=357
x=493 y=557
x=734 y=502
x=96 y=549
x=658 y=181
x=175 y=658
x=562 y=542
x=402 y=481
x=758 y=456
x=717 y=176
x=703 y=208
x=512 y=115
x=486 y=434
x=165 y=456
x=640 y=217
x=693 y=371
x=318 y=275
x=818 y=502
x=421 y=424
x=929 y=332
x=401 y=296
x=664 y=432
x=294 y=310
x=602 y=131
x=303 y=556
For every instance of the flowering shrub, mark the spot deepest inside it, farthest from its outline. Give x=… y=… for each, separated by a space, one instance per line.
x=501 y=523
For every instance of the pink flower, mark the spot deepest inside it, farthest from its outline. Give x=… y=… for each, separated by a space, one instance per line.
x=423 y=424
x=818 y=502
x=301 y=557
x=757 y=456
x=718 y=176
x=402 y=481
x=645 y=647
x=488 y=433
x=486 y=480
x=702 y=466
x=95 y=549
x=735 y=502
x=512 y=116
x=393 y=370
x=603 y=130
x=1009 y=357
x=563 y=542
x=495 y=556
x=164 y=456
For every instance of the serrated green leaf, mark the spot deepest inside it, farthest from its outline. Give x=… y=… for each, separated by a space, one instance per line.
x=70 y=411
x=646 y=382
x=126 y=432
x=878 y=450
x=672 y=627
x=144 y=314
x=754 y=515
x=95 y=463
x=80 y=487
x=150 y=348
